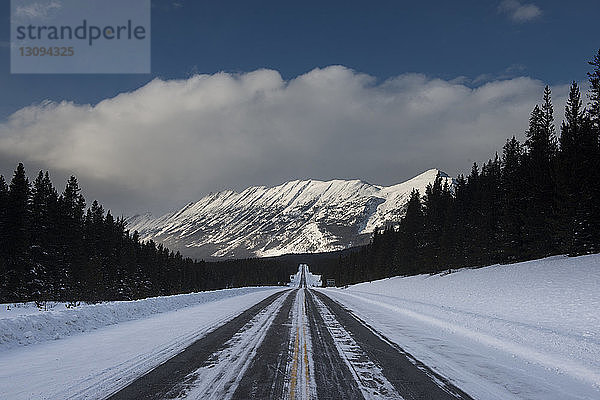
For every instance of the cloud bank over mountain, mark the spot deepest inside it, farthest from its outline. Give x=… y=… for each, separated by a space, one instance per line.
x=172 y=141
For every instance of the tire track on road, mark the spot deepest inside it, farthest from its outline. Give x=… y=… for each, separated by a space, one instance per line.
x=161 y=380
x=220 y=375
x=411 y=378
x=333 y=378
x=266 y=377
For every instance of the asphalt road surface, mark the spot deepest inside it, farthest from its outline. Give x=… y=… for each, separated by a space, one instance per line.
x=297 y=344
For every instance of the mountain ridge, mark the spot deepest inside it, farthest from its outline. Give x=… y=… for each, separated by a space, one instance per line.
x=298 y=216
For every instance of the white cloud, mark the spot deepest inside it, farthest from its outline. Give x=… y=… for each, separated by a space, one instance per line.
x=171 y=141
x=512 y=71
x=519 y=12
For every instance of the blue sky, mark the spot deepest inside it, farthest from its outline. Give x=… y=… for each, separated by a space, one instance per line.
x=445 y=39
x=436 y=45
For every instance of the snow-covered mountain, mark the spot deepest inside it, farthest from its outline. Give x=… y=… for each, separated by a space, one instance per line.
x=301 y=216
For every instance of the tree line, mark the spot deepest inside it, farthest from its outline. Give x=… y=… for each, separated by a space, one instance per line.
x=538 y=198
x=53 y=248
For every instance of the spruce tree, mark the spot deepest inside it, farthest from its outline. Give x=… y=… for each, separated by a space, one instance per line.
x=461 y=222
x=3 y=216
x=71 y=205
x=594 y=154
x=3 y=238
x=490 y=206
x=594 y=78
x=18 y=221
x=411 y=235
x=571 y=129
x=576 y=175
x=18 y=210
x=44 y=203
x=548 y=126
x=512 y=206
x=540 y=208
x=436 y=206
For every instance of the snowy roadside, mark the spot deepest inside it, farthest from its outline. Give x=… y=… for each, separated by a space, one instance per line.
x=96 y=363
x=529 y=330
x=24 y=324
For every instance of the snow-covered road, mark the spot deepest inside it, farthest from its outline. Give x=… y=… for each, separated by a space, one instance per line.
x=522 y=331
x=96 y=363
x=298 y=345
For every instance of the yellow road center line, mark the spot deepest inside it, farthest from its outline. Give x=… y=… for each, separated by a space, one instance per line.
x=306 y=374
x=297 y=359
x=295 y=365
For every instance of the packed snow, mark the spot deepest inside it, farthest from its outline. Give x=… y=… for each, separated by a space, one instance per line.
x=220 y=376
x=523 y=331
x=121 y=341
x=368 y=376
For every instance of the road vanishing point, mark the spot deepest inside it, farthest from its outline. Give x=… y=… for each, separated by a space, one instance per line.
x=295 y=344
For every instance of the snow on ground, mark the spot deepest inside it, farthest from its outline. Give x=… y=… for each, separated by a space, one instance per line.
x=98 y=362
x=23 y=324
x=523 y=331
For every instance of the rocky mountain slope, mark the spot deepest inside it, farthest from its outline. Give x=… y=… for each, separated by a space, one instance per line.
x=301 y=216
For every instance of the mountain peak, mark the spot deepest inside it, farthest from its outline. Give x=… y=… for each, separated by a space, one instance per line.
x=297 y=216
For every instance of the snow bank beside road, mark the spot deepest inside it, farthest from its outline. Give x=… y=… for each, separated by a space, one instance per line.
x=528 y=330
x=97 y=363
x=25 y=324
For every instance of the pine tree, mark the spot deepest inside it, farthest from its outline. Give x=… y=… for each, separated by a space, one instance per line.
x=490 y=206
x=577 y=168
x=474 y=217
x=18 y=220
x=44 y=203
x=94 y=227
x=411 y=235
x=436 y=205
x=541 y=137
x=18 y=209
x=594 y=78
x=548 y=123
x=461 y=222
x=3 y=237
x=593 y=140
x=71 y=205
x=540 y=207
x=512 y=206
x=571 y=129
x=3 y=216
